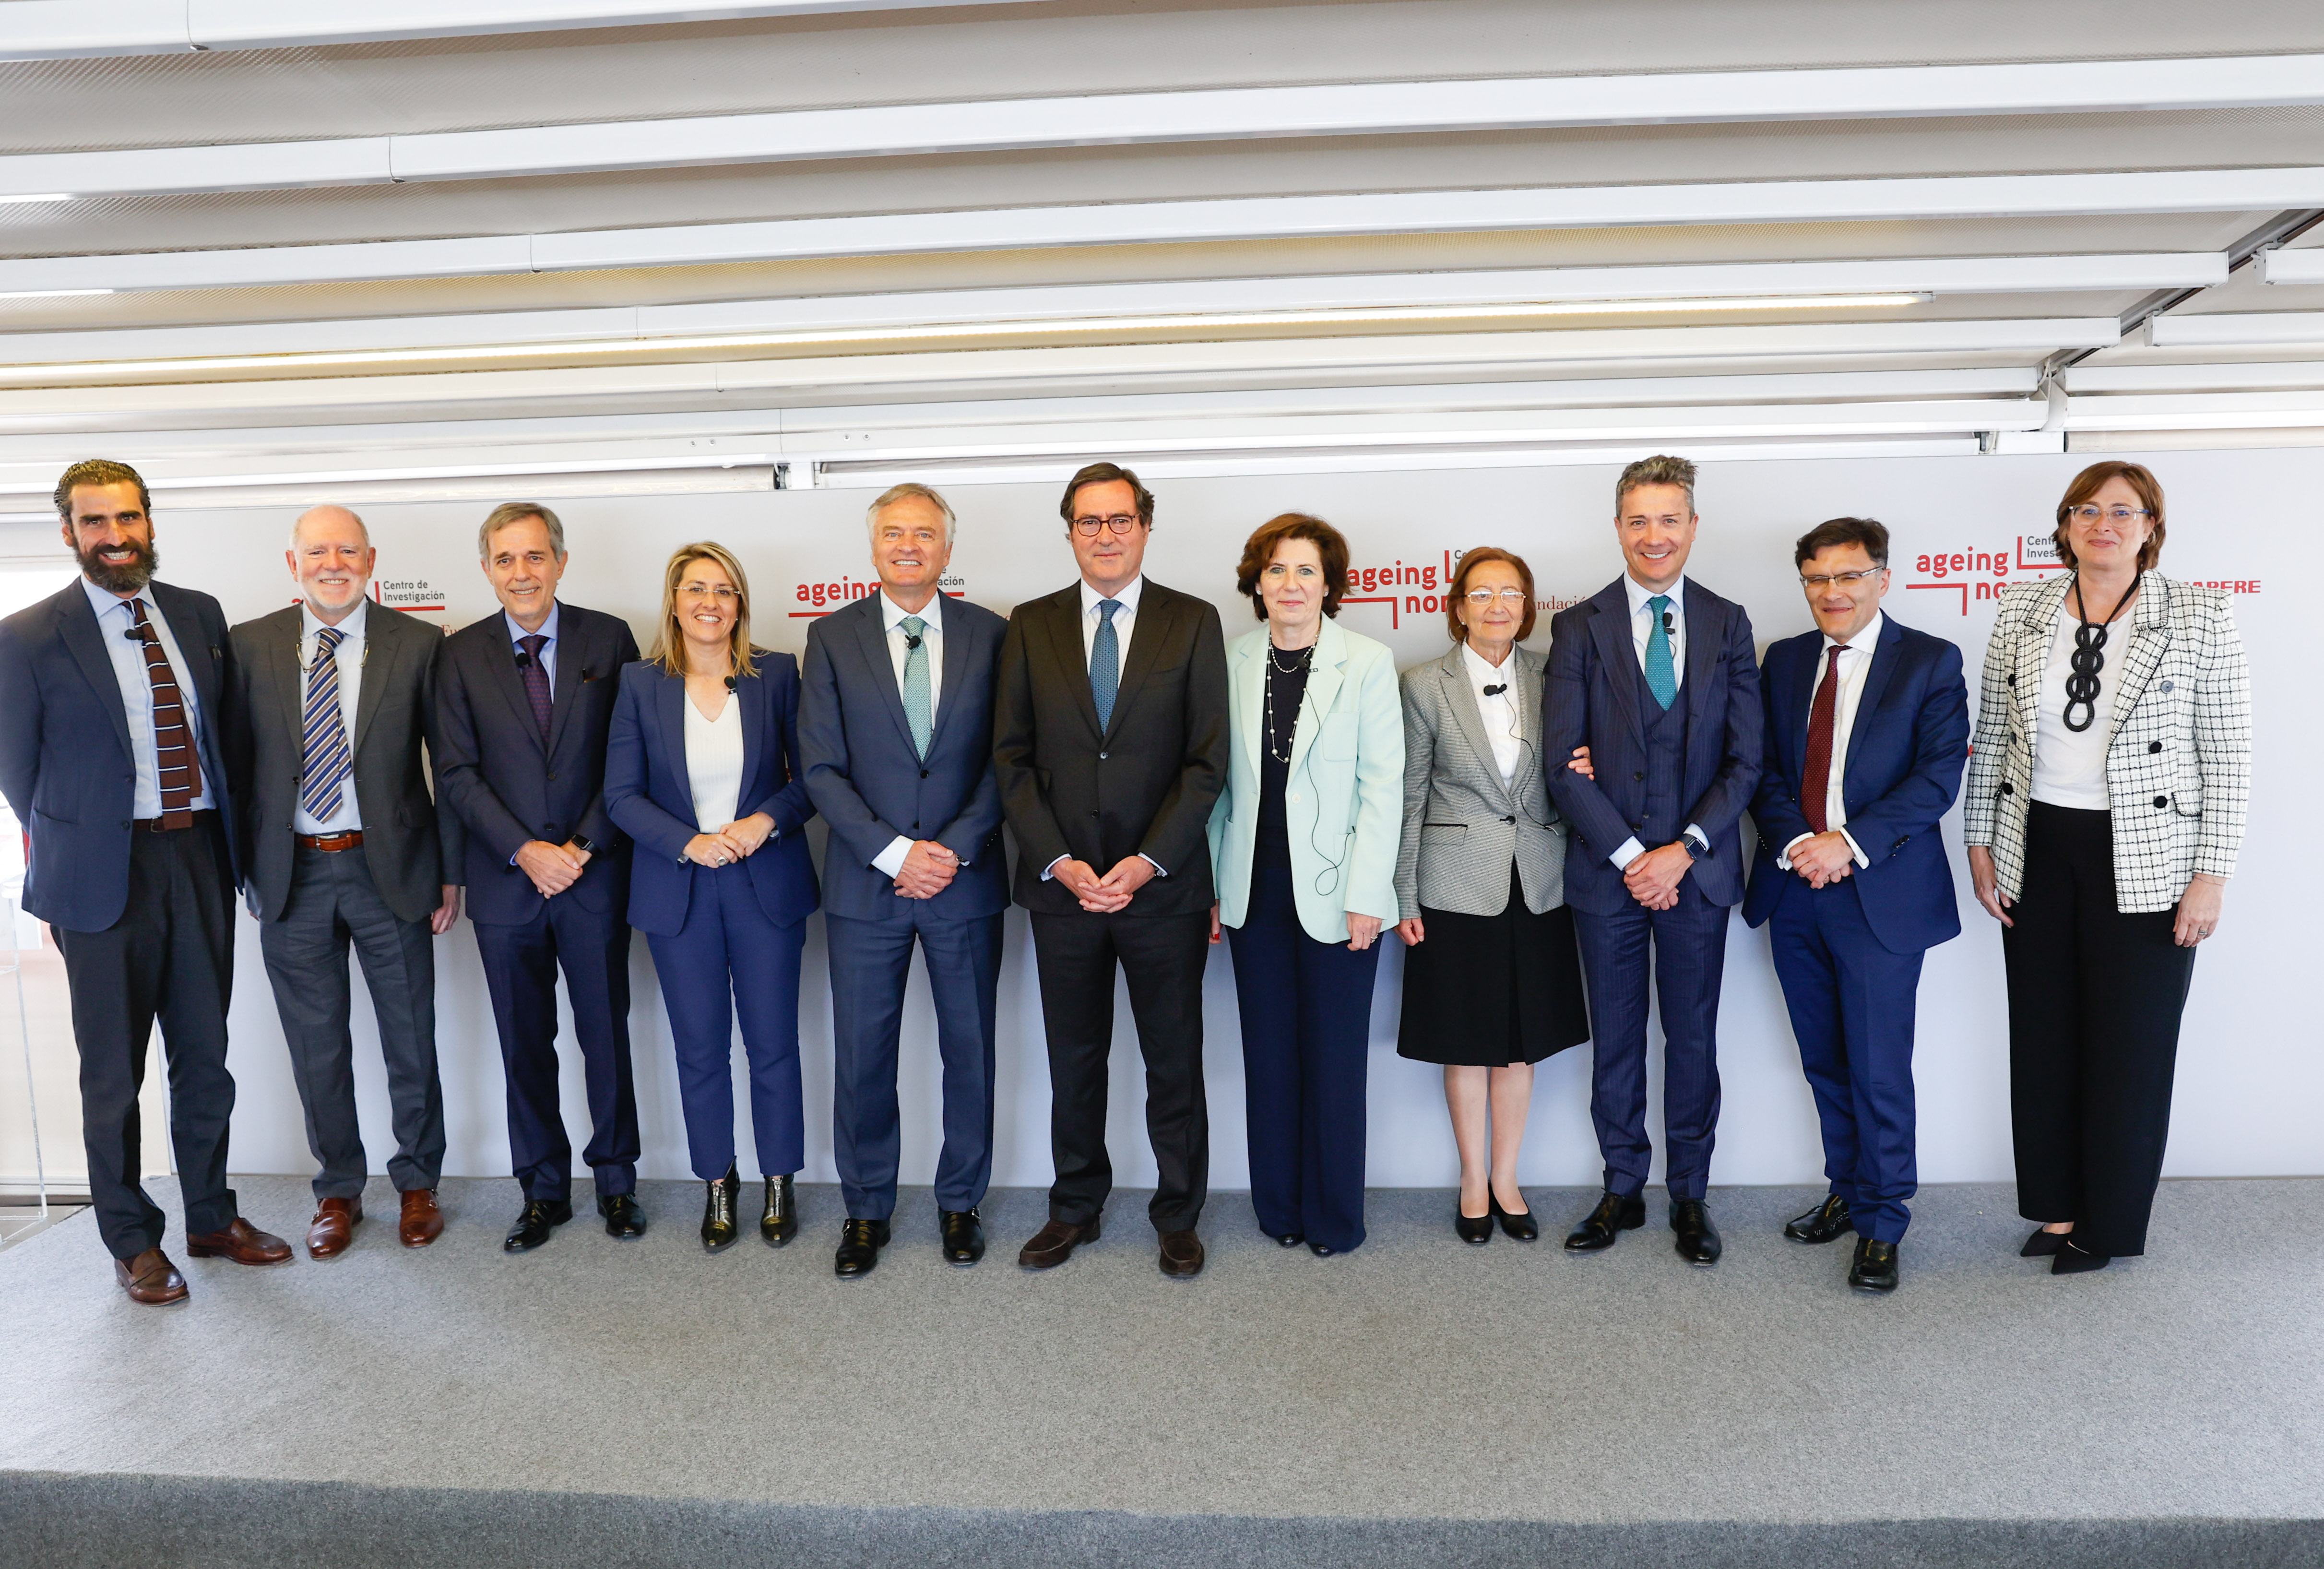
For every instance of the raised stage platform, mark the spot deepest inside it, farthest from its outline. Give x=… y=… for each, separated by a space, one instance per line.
x=1415 y=1402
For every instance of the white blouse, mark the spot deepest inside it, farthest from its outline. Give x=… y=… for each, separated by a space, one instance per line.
x=1498 y=712
x=713 y=764
x=2069 y=766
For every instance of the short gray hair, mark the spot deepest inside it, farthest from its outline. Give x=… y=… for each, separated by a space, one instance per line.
x=1660 y=469
x=361 y=527
x=508 y=512
x=905 y=492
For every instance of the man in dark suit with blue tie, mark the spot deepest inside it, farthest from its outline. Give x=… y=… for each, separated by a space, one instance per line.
x=896 y=742
x=525 y=699
x=1866 y=733
x=112 y=698
x=1657 y=677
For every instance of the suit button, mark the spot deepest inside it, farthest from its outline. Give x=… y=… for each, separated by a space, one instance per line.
x=126 y=822
x=924 y=773
x=1101 y=757
x=2154 y=746
x=2161 y=802
x=2006 y=789
x=1638 y=778
x=552 y=778
x=2166 y=685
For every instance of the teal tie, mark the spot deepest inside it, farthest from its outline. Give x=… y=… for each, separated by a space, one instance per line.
x=1105 y=663
x=1662 y=681
x=917 y=707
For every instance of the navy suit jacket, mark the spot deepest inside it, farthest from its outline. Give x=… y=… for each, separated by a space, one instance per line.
x=65 y=763
x=650 y=797
x=1589 y=697
x=1906 y=752
x=495 y=774
x=872 y=787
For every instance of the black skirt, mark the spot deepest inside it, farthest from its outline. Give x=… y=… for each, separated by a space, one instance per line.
x=1485 y=991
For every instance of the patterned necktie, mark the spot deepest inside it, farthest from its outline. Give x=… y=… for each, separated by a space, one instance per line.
x=1815 y=783
x=325 y=764
x=918 y=709
x=1661 y=679
x=536 y=681
x=176 y=768
x=1105 y=663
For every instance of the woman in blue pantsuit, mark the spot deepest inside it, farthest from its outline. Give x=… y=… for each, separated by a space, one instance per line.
x=1303 y=847
x=702 y=771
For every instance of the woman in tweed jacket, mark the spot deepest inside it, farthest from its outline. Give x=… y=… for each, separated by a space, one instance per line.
x=2105 y=805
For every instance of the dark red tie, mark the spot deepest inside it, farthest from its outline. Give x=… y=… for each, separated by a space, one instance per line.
x=176 y=767
x=1817 y=784
x=535 y=682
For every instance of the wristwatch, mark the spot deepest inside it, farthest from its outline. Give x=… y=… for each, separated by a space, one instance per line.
x=1696 y=849
x=583 y=843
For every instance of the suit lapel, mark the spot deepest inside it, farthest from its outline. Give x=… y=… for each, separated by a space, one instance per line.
x=673 y=737
x=1246 y=678
x=500 y=658
x=1065 y=644
x=872 y=641
x=1324 y=673
x=1610 y=629
x=1460 y=700
x=956 y=635
x=1887 y=655
x=572 y=664
x=289 y=676
x=2149 y=639
x=751 y=692
x=1533 y=769
x=2034 y=653
x=1706 y=634
x=383 y=635
x=1147 y=635
x=78 y=625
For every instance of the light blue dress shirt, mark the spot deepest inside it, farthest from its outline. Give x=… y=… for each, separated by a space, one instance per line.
x=114 y=618
x=517 y=634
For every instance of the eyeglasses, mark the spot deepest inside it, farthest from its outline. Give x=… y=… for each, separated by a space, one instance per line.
x=723 y=592
x=1822 y=580
x=1121 y=523
x=2118 y=516
x=1482 y=597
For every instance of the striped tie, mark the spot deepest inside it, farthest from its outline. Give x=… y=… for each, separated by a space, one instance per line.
x=326 y=763
x=178 y=769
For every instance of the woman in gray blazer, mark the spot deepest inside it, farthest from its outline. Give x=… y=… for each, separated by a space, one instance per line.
x=1492 y=981
x=2105 y=806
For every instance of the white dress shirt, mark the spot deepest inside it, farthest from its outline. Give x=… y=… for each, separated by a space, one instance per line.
x=890 y=860
x=713 y=764
x=1855 y=664
x=1124 y=620
x=1642 y=626
x=349 y=657
x=114 y=618
x=2069 y=765
x=1498 y=712
x=517 y=634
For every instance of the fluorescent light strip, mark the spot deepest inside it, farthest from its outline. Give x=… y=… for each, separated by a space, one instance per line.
x=43 y=196
x=51 y=294
x=953 y=330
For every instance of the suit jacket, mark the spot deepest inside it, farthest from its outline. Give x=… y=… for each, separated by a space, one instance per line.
x=1591 y=699
x=411 y=853
x=1146 y=784
x=1462 y=825
x=1343 y=803
x=2178 y=748
x=1905 y=750
x=65 y=763
x=650 y=796
x=506 y=785
x=856 y=750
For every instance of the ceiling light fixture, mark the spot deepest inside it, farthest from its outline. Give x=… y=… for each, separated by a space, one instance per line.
x=41 y=195
x=49 y=293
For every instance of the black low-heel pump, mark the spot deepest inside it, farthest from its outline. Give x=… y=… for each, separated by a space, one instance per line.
x=1478 y=1231
x=1523 y=1227
x=2042 y=1244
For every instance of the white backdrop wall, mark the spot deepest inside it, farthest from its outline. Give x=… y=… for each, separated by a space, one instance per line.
x=2250 y=1078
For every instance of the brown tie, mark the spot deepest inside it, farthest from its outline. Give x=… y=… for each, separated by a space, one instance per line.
x=1817 y=784
x=178 y=769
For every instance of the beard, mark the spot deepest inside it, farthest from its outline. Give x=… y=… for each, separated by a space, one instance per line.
x=125 y=577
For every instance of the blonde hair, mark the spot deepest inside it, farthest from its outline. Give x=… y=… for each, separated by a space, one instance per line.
x=669 y=642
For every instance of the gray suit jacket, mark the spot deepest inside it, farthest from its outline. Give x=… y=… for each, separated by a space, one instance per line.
x=410 y=851
x=1462 y=825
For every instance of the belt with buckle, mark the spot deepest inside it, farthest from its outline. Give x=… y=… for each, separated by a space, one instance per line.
x=333 y=843
x=169 y=822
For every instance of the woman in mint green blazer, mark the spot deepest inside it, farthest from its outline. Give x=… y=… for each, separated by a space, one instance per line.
x=1303 y=847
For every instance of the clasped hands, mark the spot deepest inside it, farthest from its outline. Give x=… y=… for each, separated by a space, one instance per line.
x=1109 y=894
x=1824 y=858
x=737 y=841
x=553 y=868
x=927 y=871
x=1652 y=877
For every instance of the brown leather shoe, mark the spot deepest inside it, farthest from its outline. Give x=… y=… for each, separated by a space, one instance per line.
x=332 y=1227
x=1182 y=1255
x=1054 y=1243
x=423 y=1221
x=150 y=1278
x=241 y=1243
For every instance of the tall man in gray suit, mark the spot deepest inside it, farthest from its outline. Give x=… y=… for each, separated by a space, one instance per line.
x=343 y=846
x=896 y=738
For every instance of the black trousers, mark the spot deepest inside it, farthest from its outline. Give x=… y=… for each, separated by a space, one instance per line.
x=171 y=957
x=2094 y=999
x=1162 y=958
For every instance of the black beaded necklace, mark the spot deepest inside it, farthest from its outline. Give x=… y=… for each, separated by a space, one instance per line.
x=1297 y=662
x=2089 y=657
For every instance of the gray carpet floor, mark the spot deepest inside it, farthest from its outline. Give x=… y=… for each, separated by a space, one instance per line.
x=1418 y=1400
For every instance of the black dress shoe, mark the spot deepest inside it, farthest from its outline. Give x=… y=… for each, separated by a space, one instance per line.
x=1476 y=1231
x=1524 y=1227
x=719 y=1198
x=1320 y=1251
x=2073 y=1259
x=1289 y=1240
x=1874 y=1268
x=540 y=1217
x=779 y=1221
x=1822 y=1224
x=860 y=1242
x=1614 y=1215
x=2042 y=1244
x=963 y=1236
x=1698 y=1240
x=623 y=1217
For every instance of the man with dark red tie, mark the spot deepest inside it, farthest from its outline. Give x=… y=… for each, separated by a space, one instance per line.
x=1866 y=733
x=111 y=695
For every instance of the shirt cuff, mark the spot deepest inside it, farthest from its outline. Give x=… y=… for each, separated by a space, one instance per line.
x=1050 y=871
x=1159 y=870
x=1629 y=849
x=890 y=860
x=1862 y=860
x=1783 y=856
x=1694 y=831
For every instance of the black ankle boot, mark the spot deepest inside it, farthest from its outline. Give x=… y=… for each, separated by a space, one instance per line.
x=718 y=1228
x=779 y=1223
